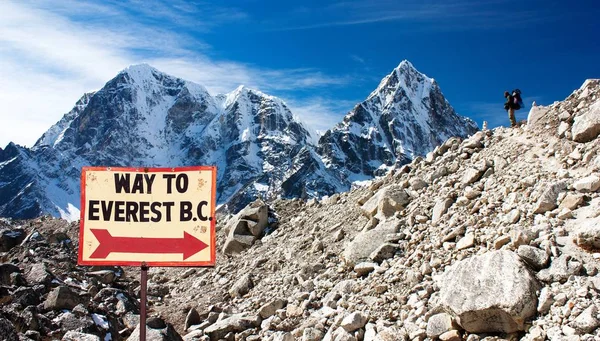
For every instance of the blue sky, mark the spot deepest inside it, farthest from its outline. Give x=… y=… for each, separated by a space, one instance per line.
x=321 y=57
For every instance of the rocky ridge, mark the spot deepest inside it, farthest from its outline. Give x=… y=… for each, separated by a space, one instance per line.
x=491 y=237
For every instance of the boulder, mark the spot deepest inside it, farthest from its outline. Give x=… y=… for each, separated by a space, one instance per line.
x=10 y=238
x=493 y=292
x=7 y=330
x=586 y=126
x=536 y=258
x=61 y=297
x=354 y=321
x=156 y=332
x=366 y=242
x=441 y=206
x=268 y=309
x=6 y=270
x=587 y=233
x=242 y=286
x=588 y=184
x=547 y=200
x=438 y=324
x=471 y=175
x=77 y=336
x=386 y=201
x=234 y=323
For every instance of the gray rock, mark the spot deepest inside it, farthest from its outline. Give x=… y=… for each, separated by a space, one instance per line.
x=441 y=206
x=256 y=212
x=242 y=286
x=438 y=324
x=571 y=201
x=587 y=233
x=77 y=336
x=6 y=270
x=61 y=297
x=234 y=323
x=451 y=335
x=417 y=184
x=547 y=200
x=192 y=318
x=312 y=334
x=104 y=276
x=471 y=175
x=354 y=321
x=341 y=335
x=493 y=292
x=364 y=268
x=7 y=330
x=366 y=242
x=239 y=238
x=37 y=274
x=536 y=258
x=588 y=184
x=587 y=321
x=466 y=242
x=10 y=238
x=586 y=126
x=383 y=252
x=560 y=269
x=386 y=201
x=166 y=333
x=267 y=310
x=545 y=300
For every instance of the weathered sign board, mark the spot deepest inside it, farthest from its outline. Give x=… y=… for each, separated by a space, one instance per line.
x=151 y=216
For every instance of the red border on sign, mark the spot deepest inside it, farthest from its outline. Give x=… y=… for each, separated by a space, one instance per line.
x=213 y=237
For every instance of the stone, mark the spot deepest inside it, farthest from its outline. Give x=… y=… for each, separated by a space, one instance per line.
x=586 y=126
x=7 y=330
x=6 y=270
x=61 y=297
x=77 y=336
x=588 y=184
x=560 y=269
x=501 y=241
x=366 y=242
x=166 y=333
x=10 y=238
x=466 y=242
x=587 y=233
x=267 y=310
x=438 y=324
x=493 y=292
x=364 y=268
x=192 y=318
x=587 y=321
x=383 y=252
x=354 y=321
x=258 y=213
x=239 y=238
x=242 y=286
x=417 y=184
x=513 y=216
x=547 y=200
x=312 y=334
x=104 y=276
x=536 y=258
x=37 y=274
x=545 y=300
x=451 y=335
x=235 y=323
x=471 y=175
x=440 y=208
x=386 y=201
x=571 y=201
x=341 y=335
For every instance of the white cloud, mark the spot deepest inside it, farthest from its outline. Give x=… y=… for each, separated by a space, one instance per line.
x=53 y=52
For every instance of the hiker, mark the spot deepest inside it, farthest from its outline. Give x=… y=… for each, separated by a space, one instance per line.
x=513 y=102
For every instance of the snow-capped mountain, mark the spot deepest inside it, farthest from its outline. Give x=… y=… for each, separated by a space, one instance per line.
x=144 y=117
x=406 y=116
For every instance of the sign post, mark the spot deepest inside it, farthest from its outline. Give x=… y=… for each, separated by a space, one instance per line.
x=147 y=217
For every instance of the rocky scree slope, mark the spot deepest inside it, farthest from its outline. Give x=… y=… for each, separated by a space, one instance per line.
x=143 y=117
x=492 y=237
x=495 y=236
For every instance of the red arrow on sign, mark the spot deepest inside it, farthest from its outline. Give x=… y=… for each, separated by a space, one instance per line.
x=188 y=245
